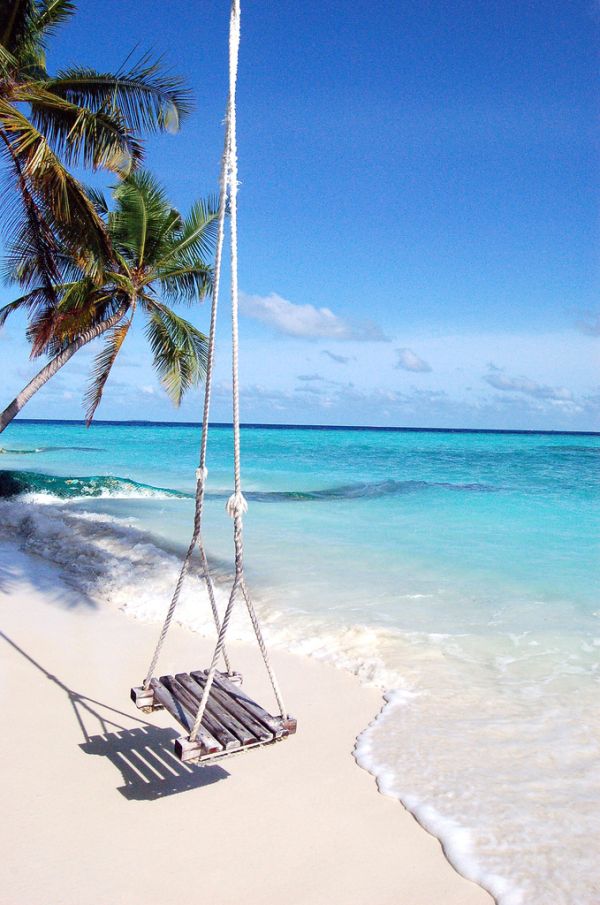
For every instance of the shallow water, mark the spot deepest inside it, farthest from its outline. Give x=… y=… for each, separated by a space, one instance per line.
x=457 y=570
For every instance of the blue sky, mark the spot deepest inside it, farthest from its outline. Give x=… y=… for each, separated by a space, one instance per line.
x=417 y=210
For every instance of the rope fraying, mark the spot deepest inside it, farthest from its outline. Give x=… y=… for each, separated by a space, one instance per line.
x=201 y=475
x=236 y=505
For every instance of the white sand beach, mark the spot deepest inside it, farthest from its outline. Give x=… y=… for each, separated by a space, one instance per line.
x=95 y=809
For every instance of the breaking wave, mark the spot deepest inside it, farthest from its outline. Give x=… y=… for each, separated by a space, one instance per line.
x=42 y=449
x=23 y=483
x=19 y=483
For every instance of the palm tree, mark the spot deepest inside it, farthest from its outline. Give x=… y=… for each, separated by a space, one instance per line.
x=159 y=259
x=49 y=123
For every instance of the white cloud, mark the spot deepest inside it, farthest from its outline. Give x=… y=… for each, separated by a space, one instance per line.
x=409 y=361
x=501 y=381
x=305 y=321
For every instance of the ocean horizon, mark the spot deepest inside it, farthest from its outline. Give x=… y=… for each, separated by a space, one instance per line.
x=295 y=426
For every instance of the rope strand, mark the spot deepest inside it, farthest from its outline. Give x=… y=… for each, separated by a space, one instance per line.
x=236 y=505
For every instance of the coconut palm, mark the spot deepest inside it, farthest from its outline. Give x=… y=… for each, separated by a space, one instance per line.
x=159 y=259
x=50 y=123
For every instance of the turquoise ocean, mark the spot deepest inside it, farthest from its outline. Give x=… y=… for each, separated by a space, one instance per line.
x=456 y=570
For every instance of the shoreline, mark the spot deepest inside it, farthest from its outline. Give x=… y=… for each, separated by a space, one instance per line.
x=443 y=709
x=302 y=814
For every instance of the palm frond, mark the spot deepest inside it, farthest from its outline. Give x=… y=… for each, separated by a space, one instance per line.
x=149 y=98
x=92 y=138
x=53 y=331
x=22 y=36
x=197 y=239
x=8 y=63
x=179 y=350
x=102 y=368
x=183 y=282
x=45 y=321
x=32 y=302
x=32 y=251
x=143 y=212
x=98 y=199
x=50 y=182
x=15 y=22
x=51 y=14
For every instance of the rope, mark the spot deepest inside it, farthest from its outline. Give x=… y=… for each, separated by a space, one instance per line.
x=202 y=473
x=213 y=602
x=236 y=505
x=179 y=585
x=263 y=650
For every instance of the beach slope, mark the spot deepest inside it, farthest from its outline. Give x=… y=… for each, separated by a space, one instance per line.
x=95 y=809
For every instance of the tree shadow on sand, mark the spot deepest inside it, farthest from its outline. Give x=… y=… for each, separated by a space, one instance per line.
x=142 y=754
x=19 y=565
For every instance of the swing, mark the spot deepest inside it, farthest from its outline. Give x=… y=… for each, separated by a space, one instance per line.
x=219 y=719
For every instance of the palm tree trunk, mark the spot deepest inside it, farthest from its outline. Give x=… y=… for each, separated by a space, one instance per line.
x=55 y=365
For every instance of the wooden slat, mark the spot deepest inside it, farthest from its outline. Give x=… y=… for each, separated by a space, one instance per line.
x=258 y=729
x=210 y=723
x=222 y=709
x=164 y=696
x=183 y=716
x=211 y=719
x=234 y=692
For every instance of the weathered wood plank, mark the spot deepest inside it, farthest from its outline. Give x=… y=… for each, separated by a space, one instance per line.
x=236 y=694
x=164 y=697
x=258 y=729
x=183 y=716
x=210 y=722
x=217 y=704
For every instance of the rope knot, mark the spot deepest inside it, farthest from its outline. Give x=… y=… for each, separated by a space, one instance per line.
x=236 y=505
x=201 y=475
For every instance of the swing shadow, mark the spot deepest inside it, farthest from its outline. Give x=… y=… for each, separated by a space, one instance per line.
x=143 y=755
x=147 y=764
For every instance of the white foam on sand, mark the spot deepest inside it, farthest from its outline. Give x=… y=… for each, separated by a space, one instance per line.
x=113 y=562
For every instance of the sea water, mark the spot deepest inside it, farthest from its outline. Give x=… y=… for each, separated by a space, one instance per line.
x=456 y=570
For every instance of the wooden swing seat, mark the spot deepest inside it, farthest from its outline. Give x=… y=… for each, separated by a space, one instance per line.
x=232 y=721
